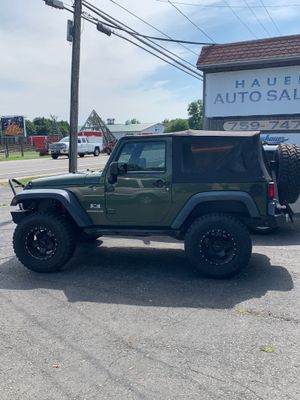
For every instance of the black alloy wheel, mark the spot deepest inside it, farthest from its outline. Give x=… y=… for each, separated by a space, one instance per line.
x=218 y=245
x=41 y=243
x=44 y=241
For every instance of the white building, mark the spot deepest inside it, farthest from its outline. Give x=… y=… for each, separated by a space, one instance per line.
x=120 y=130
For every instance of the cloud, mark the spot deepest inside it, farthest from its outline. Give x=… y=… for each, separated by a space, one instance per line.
x=116 y=78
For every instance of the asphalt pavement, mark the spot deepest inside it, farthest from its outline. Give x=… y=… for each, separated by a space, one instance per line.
x=46 y=166
x=130 y=319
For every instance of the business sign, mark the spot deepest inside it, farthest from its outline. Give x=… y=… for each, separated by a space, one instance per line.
x=12 y=125
x=278 y=138
x=267 y=91
x=262 y=125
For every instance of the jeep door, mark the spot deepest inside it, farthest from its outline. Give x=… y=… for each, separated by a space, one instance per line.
x=142 y=193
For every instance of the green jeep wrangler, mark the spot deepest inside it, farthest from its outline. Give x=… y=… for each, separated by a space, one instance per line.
x=205 y=188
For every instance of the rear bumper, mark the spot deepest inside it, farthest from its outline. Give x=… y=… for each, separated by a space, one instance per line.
x=272 y=221
x=277 y=216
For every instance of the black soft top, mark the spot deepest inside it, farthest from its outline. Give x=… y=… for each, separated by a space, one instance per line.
x=202 y=133
x=192 y=132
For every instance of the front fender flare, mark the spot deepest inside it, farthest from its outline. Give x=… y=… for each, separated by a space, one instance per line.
x=66 y=198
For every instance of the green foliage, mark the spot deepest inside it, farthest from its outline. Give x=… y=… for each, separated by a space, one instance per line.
x=64 y=127
x=30 y=128
x=42 y=125
x=132 y=121
x=177 y=125
x=195 y=112
x=47 y=126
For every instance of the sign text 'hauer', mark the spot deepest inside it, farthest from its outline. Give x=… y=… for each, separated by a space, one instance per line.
x=254 y=92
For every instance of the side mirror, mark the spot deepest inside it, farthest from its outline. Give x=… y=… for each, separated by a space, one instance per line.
x=113 y=172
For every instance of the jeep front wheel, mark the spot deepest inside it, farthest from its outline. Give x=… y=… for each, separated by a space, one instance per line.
x=218 y=245
x=44 y=242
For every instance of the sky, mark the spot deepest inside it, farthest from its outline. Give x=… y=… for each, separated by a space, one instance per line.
x=117 y=79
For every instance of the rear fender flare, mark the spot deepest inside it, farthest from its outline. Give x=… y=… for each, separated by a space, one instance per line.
x=205 y=197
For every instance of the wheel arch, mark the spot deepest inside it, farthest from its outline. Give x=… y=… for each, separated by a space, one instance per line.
x=236 y=203
x=63 y=197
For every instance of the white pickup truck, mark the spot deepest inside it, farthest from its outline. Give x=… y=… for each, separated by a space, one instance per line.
x=86 y=145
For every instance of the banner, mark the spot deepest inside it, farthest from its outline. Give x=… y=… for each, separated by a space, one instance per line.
x=12 y=126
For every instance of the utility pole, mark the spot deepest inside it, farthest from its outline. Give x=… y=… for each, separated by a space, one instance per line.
x=74 y=104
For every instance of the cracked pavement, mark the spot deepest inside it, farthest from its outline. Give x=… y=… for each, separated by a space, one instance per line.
x=129 y=319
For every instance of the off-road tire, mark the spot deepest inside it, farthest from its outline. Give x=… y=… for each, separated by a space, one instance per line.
x=223 y=229
x=62 y=238
x=54 y=156
x=288 y=171
x=96 y=152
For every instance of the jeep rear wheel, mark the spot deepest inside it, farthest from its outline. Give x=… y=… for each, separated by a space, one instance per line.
x=43 y=242
x=218 y=245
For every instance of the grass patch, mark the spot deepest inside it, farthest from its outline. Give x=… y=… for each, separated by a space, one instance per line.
x=241 y=311
x=267 y=349
x=29 y=155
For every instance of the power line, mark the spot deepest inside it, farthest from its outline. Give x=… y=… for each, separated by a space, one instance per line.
x=134 y=33
x=240 y=19
x=118 y=24
x=148 y=51
x=192 y=22
x=233 y=6
x=193 y=74
x=151 y=26
x=267 y=11
x=156 y=55
x=256 y=17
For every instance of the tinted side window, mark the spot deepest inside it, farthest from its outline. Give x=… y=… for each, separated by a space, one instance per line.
x=215 y=159
x=147 y=156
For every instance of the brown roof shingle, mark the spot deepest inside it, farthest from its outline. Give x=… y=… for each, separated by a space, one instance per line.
x=281 y=48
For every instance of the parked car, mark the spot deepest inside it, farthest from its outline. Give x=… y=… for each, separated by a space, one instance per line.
x=205 y=188
x=85 y=146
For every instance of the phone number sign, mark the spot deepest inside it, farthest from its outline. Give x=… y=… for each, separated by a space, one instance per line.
x=263 y=125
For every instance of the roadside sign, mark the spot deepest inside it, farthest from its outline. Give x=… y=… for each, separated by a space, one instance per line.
x=13 y=125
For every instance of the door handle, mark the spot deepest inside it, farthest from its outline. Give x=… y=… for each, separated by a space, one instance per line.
x=159 y=183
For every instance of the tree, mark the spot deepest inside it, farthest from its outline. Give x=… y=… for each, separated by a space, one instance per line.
x=177 y=125
x=195 y=112
x=30 y=128
x=42 y=125
x=64 y=127
x=132 y=121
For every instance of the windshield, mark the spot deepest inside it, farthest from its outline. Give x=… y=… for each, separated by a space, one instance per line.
x=65 y=139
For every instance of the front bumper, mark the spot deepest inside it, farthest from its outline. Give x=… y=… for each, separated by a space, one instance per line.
x=59 y=151
x=18 y=215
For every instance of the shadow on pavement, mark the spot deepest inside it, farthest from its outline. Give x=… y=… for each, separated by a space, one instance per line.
x=147 y=277
x=287 y=235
